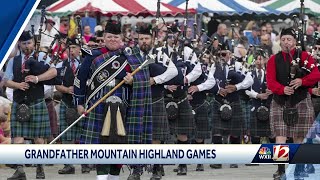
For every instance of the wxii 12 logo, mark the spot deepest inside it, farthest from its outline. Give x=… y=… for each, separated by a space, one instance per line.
x=281 y=153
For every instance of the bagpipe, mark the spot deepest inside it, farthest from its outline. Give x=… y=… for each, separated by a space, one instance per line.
x=299 y=66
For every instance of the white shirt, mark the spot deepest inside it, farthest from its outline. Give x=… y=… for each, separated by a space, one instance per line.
x=46 y=40
x=170 y=72
x=210 y=82
x=248 y=80
x=196 y=71
x=252 y=93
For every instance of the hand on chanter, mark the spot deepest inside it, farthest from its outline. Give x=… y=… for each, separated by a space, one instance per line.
x=288 y=90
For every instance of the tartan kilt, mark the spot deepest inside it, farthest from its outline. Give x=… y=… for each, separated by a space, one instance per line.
x=233 y=126
x=92 y=125
x=316 y=105
x=37 y=127
x=259 y=128
x=73 y=134
x=201 y=119
x=52 y=117
x=301 y=128
x=245 y=106
x=160 y=124
x=210 y=100
x=184 y=124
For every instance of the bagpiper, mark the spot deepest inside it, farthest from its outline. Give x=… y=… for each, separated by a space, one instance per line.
x=227 y=115
x=68 y=111
x=289 y=74
x=29 y=115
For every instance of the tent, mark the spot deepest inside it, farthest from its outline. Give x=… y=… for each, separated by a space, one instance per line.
x=223 y=7
x=113 y=7
x=312 y=7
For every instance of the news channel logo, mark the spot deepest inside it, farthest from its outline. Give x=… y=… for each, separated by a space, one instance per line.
x=280 y=153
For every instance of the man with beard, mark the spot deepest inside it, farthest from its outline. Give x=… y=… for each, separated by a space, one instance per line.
x=28 y=84
x=69 y=67
x=290 y=94
x=161 y=72
x=125 y=116
x=227 y=114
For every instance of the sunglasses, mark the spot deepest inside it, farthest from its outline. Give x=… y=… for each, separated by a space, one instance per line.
x=317 y=48
x=223 y=54
x=99 y=40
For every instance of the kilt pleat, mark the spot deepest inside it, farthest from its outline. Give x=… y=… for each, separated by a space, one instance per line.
x=301 y=128
x=184 y=124
x=316 y=105
x=160 y=129
x=259 y=128
x=52 y=117
x=201 y=119
x=232 y=127
x=37 y=127
x=245 y=106
x=210 y=100
x=92 y=125
x=73 y=134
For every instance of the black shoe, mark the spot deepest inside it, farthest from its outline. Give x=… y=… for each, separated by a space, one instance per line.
x=200 y=167
x=19 y=174
x=67 y=169
x=176 y=169
x=40 y=172
x=162 y=170
x=279 y=175
x=155 y=177
x=299 y=172
x=135 y=174
x=310 y=169
x=85 y=169
x=156 y=173
x=216 y=166
x=92 y=167
x=13 y=166
x=134 y=177
x=233 y=165
x=182 y=170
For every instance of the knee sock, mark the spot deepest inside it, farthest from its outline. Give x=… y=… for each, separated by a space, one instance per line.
x=217 y=139
x=255 y=140
x=182 y=142
x=272 y=140
x=234 y=140
x=290 y=140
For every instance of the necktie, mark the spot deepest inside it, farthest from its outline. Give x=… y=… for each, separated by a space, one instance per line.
x=259 y=75
x=225 y=70
x=24 y=63
x=73 y=66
